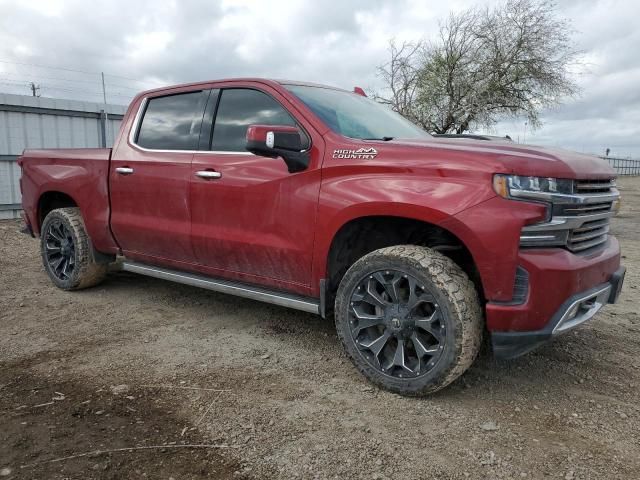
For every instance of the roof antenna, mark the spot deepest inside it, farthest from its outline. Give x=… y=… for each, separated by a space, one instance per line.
x=359 y=91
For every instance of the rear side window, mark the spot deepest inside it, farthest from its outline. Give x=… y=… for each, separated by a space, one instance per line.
x=239 y=108
x=172 y=122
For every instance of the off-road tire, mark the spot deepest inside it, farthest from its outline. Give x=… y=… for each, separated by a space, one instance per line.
x=456 y=296
x=87 y=271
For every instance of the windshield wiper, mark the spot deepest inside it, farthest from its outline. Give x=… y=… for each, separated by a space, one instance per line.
x=384 y=139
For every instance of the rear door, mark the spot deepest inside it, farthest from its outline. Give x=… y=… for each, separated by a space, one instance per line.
x=252 y=219
x=149 y=178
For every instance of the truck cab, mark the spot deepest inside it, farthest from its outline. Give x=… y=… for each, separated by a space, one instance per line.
x=320 y=199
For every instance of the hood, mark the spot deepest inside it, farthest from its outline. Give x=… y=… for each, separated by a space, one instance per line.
x=520 y=159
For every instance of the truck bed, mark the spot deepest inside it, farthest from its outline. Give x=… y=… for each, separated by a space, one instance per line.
x=79 y=175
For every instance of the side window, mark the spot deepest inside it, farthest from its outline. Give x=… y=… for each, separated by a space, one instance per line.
x=172 y=122
x=239 y=108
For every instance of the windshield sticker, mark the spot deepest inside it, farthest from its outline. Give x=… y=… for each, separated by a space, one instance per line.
x=364 y=153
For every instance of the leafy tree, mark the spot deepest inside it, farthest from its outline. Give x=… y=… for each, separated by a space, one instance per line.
x=486 y=64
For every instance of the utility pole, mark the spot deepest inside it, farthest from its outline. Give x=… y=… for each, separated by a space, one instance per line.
x=104 y=91
x=103 y=114
x=34 y=89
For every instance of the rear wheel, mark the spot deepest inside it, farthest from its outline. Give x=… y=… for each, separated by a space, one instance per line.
x=409 y=318
x=67 y=253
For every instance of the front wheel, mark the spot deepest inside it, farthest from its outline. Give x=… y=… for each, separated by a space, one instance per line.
x=409 y=318
x=67 y=252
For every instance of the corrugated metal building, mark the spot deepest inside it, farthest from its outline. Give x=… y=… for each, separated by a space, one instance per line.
x=35 y=122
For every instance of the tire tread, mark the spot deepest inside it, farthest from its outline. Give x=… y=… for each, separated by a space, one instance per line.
x=454 y=283
x=89 y=272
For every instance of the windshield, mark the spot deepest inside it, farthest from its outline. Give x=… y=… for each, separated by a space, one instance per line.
x=355 y=116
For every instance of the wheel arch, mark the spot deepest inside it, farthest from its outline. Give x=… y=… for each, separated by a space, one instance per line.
x=360 y=235
x=50 y=200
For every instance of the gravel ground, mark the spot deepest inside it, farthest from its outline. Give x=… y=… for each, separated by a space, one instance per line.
x=218 y=387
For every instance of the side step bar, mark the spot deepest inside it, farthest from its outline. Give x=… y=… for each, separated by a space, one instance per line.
x=238 y=289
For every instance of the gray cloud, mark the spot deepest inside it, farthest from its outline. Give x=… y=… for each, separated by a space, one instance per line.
x=335 y=42
x=607 y=112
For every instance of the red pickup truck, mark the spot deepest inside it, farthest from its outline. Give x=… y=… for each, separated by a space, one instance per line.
x=322 y=200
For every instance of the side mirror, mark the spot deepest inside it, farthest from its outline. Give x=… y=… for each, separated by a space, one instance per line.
x=280 y=141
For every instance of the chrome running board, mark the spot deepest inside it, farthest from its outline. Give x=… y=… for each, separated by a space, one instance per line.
x=238 y=289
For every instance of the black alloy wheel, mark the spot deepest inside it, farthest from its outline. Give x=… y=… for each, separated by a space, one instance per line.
x=409 y=319
x=60 y=250
x=397 y=324
x=67 y=253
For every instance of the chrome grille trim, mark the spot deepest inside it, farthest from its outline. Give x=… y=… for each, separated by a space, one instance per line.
x=571 y=210
x=593 y=186
x=567 y=223
x=566 y=198
x=579 y=221
x=592 y=225
x=587 y=235
x=587 y=245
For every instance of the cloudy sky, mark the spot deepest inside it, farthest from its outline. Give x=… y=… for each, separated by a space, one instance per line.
x=141 y=44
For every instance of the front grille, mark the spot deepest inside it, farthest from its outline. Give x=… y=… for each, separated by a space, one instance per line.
x=580 y=210
x=589 y=235
x=594 y=186
x=579 y=221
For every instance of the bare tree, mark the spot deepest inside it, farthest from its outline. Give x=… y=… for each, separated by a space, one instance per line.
x=401 y=76
x=486 y=64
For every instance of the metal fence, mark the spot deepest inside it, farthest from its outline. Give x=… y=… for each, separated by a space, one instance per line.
x=624 y=166
x=34 y=122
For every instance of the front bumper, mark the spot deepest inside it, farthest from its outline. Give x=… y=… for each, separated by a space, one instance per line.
x=576 y=310
x=554 y=275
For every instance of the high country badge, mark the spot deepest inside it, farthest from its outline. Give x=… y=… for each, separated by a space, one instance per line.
x=363 y=153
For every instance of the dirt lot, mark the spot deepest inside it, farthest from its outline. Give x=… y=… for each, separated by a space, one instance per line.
x=212 y=386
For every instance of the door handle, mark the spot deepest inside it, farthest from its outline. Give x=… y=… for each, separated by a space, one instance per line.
x=208 y=174
x=124 y=170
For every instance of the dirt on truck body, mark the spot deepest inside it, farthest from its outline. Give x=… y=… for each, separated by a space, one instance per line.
x=117 y=381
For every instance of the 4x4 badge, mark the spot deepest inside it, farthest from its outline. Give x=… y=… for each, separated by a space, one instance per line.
x=366 y=153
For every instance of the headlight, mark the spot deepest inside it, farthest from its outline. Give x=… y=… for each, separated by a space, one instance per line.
x=539 y=190
x=535 y=188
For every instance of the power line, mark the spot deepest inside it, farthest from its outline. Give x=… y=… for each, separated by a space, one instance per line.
x=131 y=79
x=21 y=84
x=122 y=86
x=67 y=84
x=73 y=70
x=65 y=81
x=48 y=66
x=45 y=77
x=27 y=83
x=54 y=87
